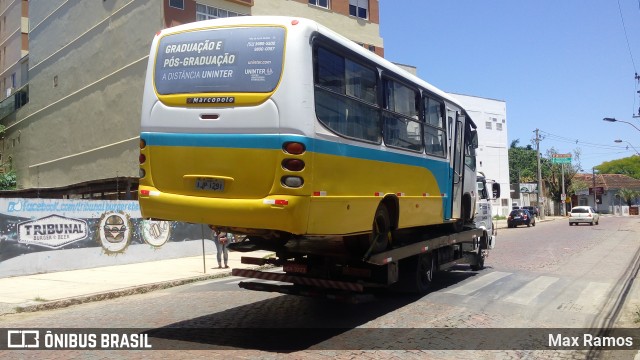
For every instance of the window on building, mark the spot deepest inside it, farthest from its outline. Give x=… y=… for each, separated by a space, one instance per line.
x=13 y=80
x=499 y=126
x=359 y=8
x=206 y=12
x=178 y=4
x=320 y=3
x=488 y=125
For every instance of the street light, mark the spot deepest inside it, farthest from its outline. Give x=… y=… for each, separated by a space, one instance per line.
x=622 y=121
x=621 y=141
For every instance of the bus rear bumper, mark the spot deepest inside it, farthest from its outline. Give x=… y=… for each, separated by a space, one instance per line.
x=279 y=212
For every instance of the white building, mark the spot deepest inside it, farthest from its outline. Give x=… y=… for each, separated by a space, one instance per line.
x=490 y=116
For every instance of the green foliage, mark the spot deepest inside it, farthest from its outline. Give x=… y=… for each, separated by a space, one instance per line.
x=8 y=180
x=577 y=185
x=552 y=175
x=523 y=163
x=629 y=166
x=628 y=195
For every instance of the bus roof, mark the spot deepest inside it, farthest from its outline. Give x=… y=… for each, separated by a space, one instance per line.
x=290 y=21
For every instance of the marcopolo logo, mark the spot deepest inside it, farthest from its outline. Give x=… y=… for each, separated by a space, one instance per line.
x=53 y=231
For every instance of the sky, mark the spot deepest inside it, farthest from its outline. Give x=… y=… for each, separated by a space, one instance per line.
x=561 y=66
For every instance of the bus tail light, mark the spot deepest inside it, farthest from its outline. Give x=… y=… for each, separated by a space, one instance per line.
x=142 y=158
x=293 y=164
x=143 y=144
x=142 y=173
x=294 y=148
x=292 y=181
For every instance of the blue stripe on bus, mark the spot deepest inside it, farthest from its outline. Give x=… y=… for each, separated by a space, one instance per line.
x=439 y=168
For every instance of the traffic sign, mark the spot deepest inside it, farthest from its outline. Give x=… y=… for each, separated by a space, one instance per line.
x=561 y=159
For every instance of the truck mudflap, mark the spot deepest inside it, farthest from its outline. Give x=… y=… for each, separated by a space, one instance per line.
x=306 y=291
x=299 y=280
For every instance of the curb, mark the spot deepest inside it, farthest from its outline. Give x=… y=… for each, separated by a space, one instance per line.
x=113 y=294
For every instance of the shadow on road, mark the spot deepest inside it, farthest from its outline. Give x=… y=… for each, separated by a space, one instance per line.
x=290 y=323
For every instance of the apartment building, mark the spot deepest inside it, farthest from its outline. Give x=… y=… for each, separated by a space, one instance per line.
x=78 y=134
x=14 y=45
x=14 y=50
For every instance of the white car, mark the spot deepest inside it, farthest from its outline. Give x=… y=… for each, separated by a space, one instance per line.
x=583 y=214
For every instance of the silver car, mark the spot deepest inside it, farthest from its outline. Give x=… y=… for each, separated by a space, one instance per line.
x=583 y=214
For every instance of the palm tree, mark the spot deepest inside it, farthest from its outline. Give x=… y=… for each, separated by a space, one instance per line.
x=628 y=195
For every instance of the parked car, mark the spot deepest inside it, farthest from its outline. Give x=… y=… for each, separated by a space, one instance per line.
x=532 y=209
x=583 y=214
x=520 y=217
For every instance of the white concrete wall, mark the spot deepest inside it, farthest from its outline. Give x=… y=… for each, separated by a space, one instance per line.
x=493 y=151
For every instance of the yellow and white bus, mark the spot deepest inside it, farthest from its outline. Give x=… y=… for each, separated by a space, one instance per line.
x=276 y=127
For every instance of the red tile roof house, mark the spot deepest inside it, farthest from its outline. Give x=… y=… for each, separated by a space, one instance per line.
x=610 y=184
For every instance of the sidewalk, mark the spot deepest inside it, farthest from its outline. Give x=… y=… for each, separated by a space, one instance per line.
x=65 y=288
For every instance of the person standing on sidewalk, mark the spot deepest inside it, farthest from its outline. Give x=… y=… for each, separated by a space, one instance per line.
x=222 y=240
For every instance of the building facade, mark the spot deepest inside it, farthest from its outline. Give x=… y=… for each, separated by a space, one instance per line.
x=603 y=194
x=492 y=159
x=14 y=45
x=14 y=51
x=79 y=131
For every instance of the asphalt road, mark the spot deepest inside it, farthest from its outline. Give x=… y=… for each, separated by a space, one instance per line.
x=548 y=276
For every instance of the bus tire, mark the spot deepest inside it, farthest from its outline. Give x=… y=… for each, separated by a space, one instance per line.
x=381 y=230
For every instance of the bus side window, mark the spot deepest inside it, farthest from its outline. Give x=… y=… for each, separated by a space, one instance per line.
x=345 y=96
x=434 y=127
x=402 y=126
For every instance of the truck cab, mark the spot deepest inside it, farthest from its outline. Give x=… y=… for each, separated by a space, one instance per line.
x=488 y=190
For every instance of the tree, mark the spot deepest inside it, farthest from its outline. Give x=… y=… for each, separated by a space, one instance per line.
x=7 y=179
x=552 y=174
x=523 y=163
x=629 y=166
x=628 y=195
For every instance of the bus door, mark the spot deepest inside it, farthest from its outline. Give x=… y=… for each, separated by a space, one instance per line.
x=456 y=131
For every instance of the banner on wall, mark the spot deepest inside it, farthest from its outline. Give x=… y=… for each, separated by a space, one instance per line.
x=33 y=225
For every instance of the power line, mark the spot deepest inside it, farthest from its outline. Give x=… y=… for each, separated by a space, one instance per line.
x=627 y=37
x=563 y=139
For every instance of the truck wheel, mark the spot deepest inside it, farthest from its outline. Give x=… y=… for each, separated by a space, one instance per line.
x=480 y=262
x=426 y=268
x=381 y=230
x=484 y=244
x=416 y=274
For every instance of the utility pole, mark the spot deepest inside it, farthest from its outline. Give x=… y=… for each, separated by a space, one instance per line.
x=540 y=203
x=595 y=198
x=563 y=197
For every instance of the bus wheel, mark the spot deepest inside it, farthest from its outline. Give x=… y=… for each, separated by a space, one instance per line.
x=381 y=231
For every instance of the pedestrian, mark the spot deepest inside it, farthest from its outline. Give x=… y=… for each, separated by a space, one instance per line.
x=222 y=240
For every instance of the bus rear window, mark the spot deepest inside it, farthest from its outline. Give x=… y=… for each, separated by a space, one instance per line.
x=222 y=60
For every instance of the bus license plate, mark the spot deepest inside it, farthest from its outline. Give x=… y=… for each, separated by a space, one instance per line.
x=295 y=268
x=210 y=184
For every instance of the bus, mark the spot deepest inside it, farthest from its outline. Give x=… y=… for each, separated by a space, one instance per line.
x=280 y=128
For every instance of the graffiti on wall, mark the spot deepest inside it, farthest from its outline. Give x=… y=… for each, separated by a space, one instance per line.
x=33 y=225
